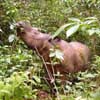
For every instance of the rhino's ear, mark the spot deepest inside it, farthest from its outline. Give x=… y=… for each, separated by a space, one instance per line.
x=22 y=24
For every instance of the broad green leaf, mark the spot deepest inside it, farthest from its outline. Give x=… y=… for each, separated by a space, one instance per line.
x=37 y=79
x=93 y=31
x=12 y=26
x=52 y=54
x=90 y=21
x=1 y=30
x=61 y=29
x=96 y=95
x=8 y=60
x=11 y=38
x=5 y=92
x=89 y=75
x=33 y=82
x=80 y=98
x=1 y=85
x=74 y=19
x=68 y=88
x=72 y=30
x=91 y=18
x=59 y=55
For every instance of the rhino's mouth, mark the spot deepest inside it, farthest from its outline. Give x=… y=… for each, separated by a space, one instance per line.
x=19 y=27
x=20 y=31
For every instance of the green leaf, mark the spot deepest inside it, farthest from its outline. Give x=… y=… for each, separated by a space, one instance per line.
x=2 y=85
x=5 y=92
x=74 y=19
x=72 y=30
x=93 y=31
x=96 y=95
x=61 y=29
x=12 y=26
x=1 y=30
x=91 y=18
x=59 y=55
x=52 y=54
x=11 y=38
x=90 y=21
x=89 y=75
x=37 y=79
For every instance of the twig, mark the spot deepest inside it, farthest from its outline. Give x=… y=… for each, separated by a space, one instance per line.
x=49 y=73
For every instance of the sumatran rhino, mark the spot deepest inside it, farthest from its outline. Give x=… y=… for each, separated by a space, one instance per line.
x=75 y=54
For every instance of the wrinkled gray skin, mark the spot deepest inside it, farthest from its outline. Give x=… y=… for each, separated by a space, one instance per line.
x=75 y=54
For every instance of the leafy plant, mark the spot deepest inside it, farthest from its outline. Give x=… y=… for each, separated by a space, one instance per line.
x=88 y=25
x=16 y=87
x=16 y=61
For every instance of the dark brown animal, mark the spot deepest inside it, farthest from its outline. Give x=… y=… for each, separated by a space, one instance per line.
x=75 y=54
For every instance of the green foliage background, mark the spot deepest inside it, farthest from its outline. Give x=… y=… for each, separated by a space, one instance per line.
x=49 y=16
